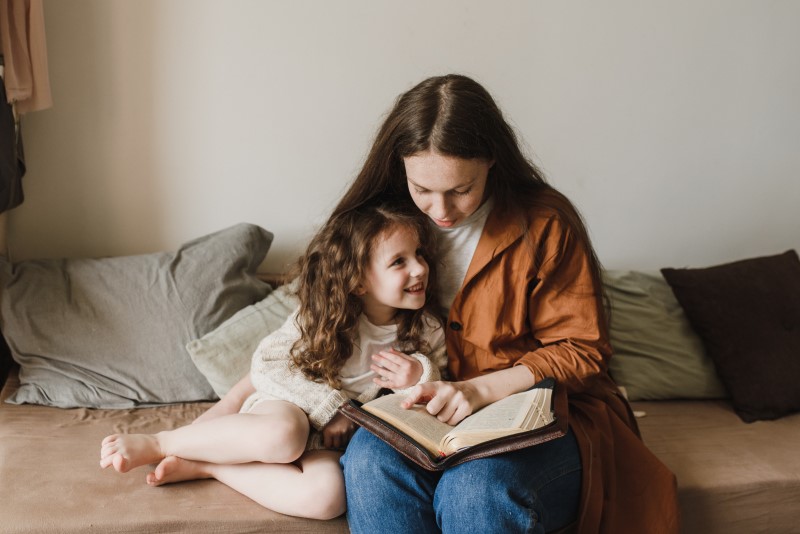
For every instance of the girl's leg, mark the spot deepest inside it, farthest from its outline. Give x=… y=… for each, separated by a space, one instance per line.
x=312 y=487
x=273 y=432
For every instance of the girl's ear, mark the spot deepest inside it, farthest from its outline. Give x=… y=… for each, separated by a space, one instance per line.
x=360 y=291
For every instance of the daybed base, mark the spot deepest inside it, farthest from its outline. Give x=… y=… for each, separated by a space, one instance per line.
x=732 y=476
x=52 y=481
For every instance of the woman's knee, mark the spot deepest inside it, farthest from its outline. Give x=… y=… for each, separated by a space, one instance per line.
x=529 y=488
x=472 y=482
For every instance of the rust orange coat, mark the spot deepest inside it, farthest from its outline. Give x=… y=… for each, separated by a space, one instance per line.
x=528 y=299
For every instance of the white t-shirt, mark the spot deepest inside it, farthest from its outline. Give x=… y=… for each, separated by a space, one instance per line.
x=356 y=375
x=457 y=245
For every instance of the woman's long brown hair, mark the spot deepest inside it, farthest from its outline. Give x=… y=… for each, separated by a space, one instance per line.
x=455 y=116
x=333 y=267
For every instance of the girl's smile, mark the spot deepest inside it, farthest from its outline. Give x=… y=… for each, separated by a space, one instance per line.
x=396 y=277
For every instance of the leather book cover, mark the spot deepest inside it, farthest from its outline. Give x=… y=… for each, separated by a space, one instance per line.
x=415 y=452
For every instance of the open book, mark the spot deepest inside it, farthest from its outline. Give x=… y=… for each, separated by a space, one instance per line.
x=520 y=420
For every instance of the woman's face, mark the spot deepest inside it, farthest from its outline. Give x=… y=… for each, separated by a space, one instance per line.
x=446 y=188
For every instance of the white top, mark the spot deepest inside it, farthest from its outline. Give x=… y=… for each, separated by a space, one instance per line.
x=356 y=375
x=457 y=245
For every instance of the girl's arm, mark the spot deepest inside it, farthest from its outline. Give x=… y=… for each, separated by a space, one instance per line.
x=231 y=402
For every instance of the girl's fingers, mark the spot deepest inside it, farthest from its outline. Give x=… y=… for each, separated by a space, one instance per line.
x=382 y=359
x=392 y=357
x=382 y=372
x=384 y=381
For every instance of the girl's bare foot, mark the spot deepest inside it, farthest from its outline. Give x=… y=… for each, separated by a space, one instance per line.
x=126 y=451
x=173 y=469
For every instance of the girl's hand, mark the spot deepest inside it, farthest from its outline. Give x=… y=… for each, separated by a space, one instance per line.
x=450 y=402
x=395 y=369
x=338 y=431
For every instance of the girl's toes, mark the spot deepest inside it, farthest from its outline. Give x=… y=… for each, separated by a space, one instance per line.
x=107 y=460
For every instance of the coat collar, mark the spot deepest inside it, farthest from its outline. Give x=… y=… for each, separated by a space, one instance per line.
x=499 y=232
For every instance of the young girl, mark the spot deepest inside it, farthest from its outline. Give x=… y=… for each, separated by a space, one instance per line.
x=365 y=321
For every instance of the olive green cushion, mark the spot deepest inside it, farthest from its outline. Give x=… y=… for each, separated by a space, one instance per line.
x=657 y=354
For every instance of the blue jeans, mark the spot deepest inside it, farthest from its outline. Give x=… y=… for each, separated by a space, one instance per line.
x=536 y=489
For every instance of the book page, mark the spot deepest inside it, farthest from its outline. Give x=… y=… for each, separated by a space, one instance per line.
x=541 y=415
x=415 y=421
x=505 y=414
x=516 y=413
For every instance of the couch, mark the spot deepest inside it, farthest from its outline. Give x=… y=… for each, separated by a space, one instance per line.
x=142 y=343
x=710 y=360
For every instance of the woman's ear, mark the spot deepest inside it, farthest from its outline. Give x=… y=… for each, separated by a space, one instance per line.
x=360 y=291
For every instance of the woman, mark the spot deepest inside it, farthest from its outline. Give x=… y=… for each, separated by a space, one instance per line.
x=521 y=288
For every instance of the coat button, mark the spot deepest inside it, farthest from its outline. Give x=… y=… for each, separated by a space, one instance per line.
x=455 y=326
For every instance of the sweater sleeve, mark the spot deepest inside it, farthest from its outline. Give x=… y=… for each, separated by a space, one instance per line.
x=565 y=314
x=434 y=365
x=272 y=374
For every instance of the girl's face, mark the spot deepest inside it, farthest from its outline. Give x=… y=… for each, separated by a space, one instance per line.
x=446 y=188
x=396 y=277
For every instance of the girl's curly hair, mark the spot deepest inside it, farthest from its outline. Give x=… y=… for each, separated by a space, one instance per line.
x=329 y=273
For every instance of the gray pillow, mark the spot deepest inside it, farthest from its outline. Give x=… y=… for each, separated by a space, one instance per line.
x=110 y=333
x=224 y=355
x=657 y=354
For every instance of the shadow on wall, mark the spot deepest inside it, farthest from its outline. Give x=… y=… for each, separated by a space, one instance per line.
x=92 y=168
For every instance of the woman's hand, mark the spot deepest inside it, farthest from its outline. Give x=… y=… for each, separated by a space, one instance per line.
x=395 y=369
x=450 y=402
x=338 y=431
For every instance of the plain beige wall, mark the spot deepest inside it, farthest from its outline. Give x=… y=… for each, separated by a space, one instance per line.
x=673 y=125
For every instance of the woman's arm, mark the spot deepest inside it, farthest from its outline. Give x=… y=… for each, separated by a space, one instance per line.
x=565 y=315
x=451 y=402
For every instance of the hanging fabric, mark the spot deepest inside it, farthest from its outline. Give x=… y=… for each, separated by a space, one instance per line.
x=12 y=159
x=25 y=55
x=26 y=88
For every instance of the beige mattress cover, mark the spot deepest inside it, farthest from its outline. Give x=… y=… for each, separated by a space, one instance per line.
x=50 y=479
x=732 y=476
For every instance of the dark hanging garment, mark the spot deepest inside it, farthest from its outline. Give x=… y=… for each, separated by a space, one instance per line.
x=12 y=159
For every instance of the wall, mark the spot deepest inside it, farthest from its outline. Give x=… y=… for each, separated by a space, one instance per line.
x=673 y=125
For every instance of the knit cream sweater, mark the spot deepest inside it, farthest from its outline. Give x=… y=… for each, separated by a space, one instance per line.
x=273 y=377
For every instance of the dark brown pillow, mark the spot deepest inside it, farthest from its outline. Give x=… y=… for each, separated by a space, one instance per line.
x=748 y=315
